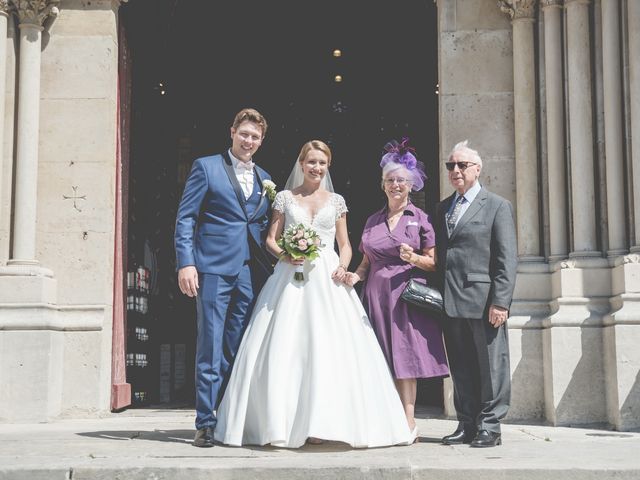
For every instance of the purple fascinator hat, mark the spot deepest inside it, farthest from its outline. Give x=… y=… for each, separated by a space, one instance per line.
x=402 y=155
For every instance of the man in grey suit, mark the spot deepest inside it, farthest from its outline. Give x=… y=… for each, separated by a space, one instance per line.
x=477 y=259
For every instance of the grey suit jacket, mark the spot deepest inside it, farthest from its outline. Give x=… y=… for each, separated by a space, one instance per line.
x=477 y=264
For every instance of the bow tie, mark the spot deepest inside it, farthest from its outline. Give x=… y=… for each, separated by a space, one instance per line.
x=245 y=165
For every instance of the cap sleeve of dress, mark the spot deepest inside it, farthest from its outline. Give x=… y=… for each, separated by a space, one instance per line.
x=340 y=205
x=278 y=202
x=427 y=235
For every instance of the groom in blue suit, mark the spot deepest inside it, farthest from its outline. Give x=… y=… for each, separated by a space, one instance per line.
x=220 y=229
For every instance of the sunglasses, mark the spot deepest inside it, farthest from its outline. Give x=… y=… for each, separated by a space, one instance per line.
x=461 y=165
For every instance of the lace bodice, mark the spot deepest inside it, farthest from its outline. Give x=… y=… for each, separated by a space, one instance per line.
x=324 y=222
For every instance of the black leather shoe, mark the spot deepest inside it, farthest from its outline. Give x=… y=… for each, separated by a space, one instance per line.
x=486 y=439
x=204 y=437
x=458 y=437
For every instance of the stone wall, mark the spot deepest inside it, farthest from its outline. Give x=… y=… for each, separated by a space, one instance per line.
x=55 y=348
x=575 y=320
x=575 y=313
x=476 y=89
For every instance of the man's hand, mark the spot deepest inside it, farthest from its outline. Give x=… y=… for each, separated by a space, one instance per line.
x=188 y=280
x=497 y=315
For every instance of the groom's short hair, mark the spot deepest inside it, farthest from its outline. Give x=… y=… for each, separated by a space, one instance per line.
x=250 y=115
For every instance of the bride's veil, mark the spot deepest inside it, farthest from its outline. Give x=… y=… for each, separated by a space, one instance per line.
x=296 y=178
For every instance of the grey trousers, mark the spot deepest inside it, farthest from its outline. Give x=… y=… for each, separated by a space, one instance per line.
x=479 y=362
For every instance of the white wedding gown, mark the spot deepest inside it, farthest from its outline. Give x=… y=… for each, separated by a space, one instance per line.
x=309 y=364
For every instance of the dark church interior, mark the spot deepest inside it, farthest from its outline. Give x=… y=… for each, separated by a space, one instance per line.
x=331 y=71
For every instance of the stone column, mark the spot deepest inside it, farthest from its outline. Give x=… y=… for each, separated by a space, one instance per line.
x=7 y=144
x=621 y=332
x=555 y=128
x=32 y=15
x=613 y=128
x=30 y=319
x=4 y=17
x=633 y=20
x=581 y=129
x=522 y=13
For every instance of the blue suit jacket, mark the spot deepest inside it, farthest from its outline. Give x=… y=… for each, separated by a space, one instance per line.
x=213 y=230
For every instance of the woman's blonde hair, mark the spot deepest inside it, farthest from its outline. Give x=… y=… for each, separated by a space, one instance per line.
x=315 y=145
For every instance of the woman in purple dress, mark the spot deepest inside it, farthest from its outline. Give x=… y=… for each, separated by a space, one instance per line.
x=397 y=242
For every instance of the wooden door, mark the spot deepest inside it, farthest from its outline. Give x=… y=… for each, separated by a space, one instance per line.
x=120 y=389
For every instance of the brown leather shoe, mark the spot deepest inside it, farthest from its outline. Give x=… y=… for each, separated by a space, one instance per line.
x=204 y=437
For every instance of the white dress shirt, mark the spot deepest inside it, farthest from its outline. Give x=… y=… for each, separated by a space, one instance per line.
x=244 y=175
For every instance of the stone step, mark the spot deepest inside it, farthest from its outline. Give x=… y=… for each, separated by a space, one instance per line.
x=157 y=445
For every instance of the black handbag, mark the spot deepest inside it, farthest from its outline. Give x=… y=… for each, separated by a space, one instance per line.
x=423 y=296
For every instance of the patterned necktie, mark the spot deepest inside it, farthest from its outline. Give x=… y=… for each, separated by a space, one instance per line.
x=452 y=216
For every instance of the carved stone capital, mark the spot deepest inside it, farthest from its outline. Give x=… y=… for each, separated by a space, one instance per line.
x=551 y=3
x=632 y=258
x=517 y=9
x=5 y=7
x=35 y=12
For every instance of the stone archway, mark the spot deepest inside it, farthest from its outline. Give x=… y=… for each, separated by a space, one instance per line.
x=295 y=88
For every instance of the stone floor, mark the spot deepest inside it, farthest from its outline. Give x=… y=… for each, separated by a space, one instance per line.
x=156 y=444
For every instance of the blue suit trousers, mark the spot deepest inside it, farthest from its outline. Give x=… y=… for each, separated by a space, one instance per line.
x=224 y=305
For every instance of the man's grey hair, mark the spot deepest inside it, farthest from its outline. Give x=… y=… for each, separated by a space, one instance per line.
x=469 y=153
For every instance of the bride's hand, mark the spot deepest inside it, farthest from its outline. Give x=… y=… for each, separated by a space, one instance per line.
x=285 y=257
x=351 y=279
x=339 y=273
x=292 y=261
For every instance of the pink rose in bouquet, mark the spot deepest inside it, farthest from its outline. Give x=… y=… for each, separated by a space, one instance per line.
x=300 y=242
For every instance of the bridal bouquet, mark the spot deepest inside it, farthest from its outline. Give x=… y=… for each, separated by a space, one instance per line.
x=300 y=242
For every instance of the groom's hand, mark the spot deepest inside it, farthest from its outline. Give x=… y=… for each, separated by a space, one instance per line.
x=188 y=280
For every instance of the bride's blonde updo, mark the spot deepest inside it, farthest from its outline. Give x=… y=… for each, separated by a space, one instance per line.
x=315 y=145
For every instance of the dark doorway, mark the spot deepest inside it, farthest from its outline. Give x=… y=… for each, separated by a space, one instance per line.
x=195 y=63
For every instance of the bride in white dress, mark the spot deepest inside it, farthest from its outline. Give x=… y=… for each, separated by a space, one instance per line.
x=309 y=366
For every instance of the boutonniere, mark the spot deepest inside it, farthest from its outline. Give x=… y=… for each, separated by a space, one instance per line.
x=269 y=189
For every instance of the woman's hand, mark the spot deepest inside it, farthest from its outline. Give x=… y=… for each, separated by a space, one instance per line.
x=351 y=278
x=406 y=253
x=339 y=273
